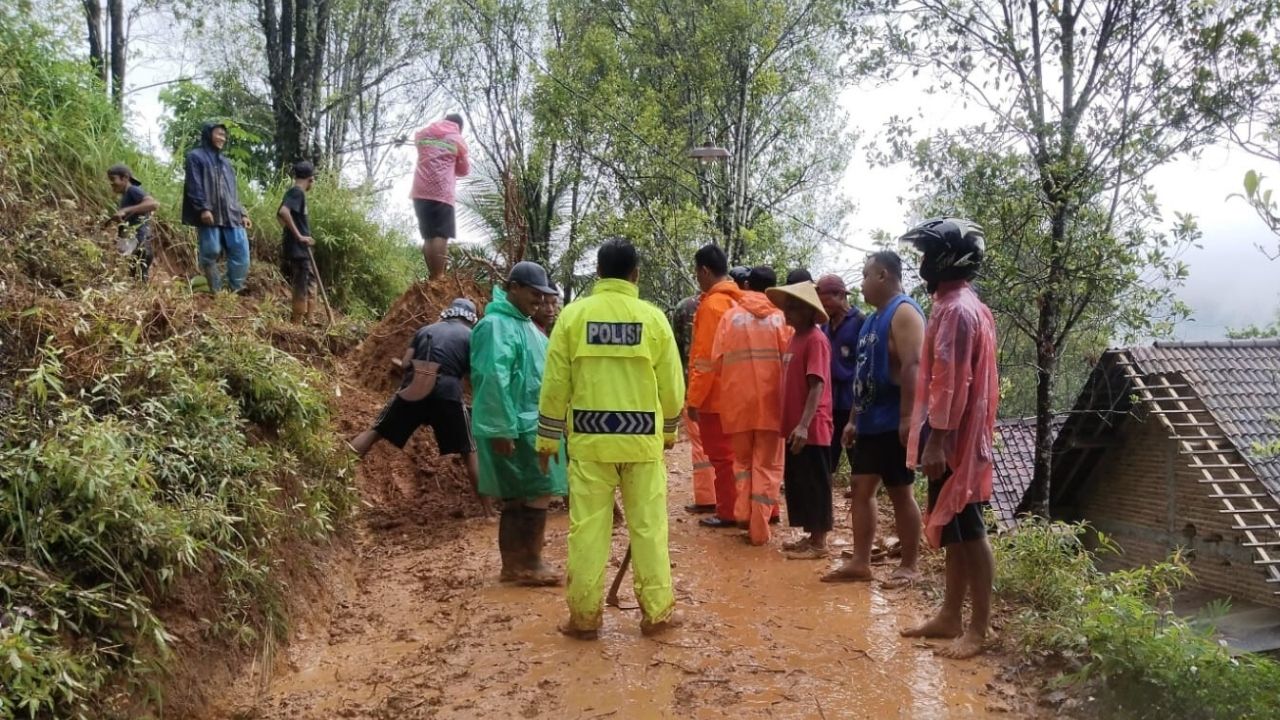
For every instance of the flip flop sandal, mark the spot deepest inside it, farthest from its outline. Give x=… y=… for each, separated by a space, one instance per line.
x=795 y=545
x=841 y=575
x=898 y=582
x=808 y=553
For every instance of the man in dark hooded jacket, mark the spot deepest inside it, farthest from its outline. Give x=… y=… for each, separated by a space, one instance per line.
x=212 y=206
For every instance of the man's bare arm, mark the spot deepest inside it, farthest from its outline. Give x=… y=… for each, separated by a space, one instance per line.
x=906 y=333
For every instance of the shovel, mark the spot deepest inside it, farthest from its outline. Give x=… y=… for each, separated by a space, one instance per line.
x=612 y=598
x=315 y=270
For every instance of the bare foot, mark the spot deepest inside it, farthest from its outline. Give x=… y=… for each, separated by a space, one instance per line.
x=849 y=571
x=901 y=578
x=939 y=627
x=968 y=645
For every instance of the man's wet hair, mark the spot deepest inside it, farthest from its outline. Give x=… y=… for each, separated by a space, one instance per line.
x=799 y=275
x=617 y=258
x=890 y=261
x=712 y=258
x=454 y=118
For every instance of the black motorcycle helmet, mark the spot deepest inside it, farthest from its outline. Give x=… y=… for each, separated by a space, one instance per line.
x=952 y=249
x=739 y=275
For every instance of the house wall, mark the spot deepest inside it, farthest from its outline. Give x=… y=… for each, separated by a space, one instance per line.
x=1145 y=497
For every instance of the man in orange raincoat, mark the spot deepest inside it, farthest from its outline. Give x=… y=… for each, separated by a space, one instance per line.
x=704 y=475
x=747 y=355
x=719 y=294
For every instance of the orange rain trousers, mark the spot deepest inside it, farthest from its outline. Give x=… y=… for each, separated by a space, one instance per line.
x=704 y=474
x=757 y=464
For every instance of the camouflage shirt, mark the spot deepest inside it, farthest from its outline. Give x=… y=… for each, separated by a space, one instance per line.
x=682 y=326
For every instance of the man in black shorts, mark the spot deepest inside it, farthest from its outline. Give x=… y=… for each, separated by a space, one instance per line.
x=446 y=345
x=442 y=159
x=952 y=428
x=887 y=352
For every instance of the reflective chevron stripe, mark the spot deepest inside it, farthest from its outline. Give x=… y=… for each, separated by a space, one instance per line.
x=763 y=500
x=671 y=425
x=703 y=466
x=614 y=422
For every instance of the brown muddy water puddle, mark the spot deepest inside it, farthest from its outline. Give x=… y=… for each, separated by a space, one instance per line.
x=425 y=631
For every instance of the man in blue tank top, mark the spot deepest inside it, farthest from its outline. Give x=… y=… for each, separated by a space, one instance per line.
x=884 y=382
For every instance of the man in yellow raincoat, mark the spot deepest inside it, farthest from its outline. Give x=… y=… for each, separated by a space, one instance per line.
x=613 y=384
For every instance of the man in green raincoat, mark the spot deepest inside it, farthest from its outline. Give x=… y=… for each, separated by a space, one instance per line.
x=508 y=353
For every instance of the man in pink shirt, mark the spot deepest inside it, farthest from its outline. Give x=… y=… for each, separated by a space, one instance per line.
x=952 y=426
x=442 y=159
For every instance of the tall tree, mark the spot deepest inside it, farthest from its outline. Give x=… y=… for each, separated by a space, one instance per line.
x=295 y=33
x=107 y=39
x=1093 y=94
x=636 y=85
x=97 y=49
x=119 y=47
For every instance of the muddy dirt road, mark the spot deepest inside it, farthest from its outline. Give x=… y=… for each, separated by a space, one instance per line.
x=422 y=629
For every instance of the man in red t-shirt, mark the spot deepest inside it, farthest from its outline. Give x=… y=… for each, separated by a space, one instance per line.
x=806 y=420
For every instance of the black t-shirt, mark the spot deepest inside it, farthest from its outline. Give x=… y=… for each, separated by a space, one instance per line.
x=296 y=200
x=133 y=195
x=451 y=347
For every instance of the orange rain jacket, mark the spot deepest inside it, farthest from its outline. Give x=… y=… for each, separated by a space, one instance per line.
x=704 y=393
x=747 y=359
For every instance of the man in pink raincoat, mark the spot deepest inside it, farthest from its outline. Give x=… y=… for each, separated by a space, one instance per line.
x=952 y=427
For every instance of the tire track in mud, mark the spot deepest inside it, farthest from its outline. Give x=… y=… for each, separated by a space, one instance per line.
x=422 y=629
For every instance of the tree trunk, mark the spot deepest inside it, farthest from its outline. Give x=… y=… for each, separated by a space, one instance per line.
x=1036 y=500
x=115 y=9
x=93 y=16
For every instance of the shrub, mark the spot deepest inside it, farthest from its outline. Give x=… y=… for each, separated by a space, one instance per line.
x=1116 y=630
x=200 y=451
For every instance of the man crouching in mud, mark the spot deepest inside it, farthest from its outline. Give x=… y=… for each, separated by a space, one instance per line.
x=614 y=385
x=952 y=427
x=430 y=394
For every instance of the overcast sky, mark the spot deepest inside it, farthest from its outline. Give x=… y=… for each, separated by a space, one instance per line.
x=1231 y=284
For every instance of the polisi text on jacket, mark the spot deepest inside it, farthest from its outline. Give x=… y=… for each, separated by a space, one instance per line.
x=613 y=333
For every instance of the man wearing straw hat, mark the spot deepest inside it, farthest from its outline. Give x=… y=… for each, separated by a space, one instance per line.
x=806 y=420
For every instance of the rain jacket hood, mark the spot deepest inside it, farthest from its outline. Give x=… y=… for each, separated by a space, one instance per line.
x=206 y=135
x=757 y=303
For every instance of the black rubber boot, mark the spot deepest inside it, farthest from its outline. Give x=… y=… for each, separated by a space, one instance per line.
x=533 y=534
x=510 y=541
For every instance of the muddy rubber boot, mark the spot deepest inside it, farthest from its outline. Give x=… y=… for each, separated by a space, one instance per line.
x=533 y=534
x=509 y=544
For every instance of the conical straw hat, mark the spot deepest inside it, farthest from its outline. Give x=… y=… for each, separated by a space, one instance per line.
x=804 y=291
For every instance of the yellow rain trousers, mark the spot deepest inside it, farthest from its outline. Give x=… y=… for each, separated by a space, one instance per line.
x=644 y=501
x=613 y=383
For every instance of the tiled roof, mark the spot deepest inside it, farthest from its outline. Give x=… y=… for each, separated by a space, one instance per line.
x=1015 y=463
x=1239 y=384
